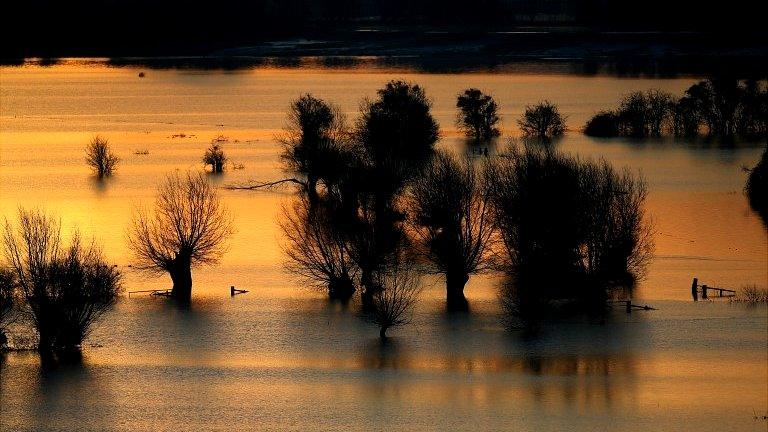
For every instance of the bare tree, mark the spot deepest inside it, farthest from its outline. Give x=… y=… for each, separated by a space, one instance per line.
x=99 y=156
x=478 y=115
x=660 y=105
x=450 y=214
x=7 y=301
x=317 y=248
x=214 y=156
x=542 y=121
x=394 y=301
x=188 y=227
x=67 y=289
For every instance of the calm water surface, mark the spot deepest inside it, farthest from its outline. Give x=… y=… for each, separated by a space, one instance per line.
x=282 y=358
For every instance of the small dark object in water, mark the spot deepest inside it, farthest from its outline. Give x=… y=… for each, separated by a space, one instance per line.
x=142 y=74
x=234 y=291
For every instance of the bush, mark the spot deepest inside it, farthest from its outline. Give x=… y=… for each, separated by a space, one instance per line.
x=99 y=156
x=67 y=289
x=751 y=294
x=542 y=121
x=603 y=124
x=451 y=218
x=7 y=301
x=214 y=156
x=570 y=228
x=478 y=115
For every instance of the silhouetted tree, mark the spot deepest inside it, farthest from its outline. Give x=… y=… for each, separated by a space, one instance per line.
x=753 y=114
x=570 y=228
x=393 y=302
x=633 y=115
x=100 y=158
x=67 y=289
x=542 y=121
x=317 y=248
x=312 y=137
x=603 y=124
x=717 y=102
x=450 y=213
x=478 y=115
x=188 y=227
x=757 y=187
x=397 y=134
x=685 y=118
x=659 y=108
x=214 y=156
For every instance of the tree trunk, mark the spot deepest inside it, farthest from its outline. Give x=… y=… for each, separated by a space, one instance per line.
x=383 y=333
x=181 y=275
x=454 y=284
x=341 y=289
x=312 y=189
x=366 y=280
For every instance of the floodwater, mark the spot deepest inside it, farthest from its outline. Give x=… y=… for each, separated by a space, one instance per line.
x=281 y=357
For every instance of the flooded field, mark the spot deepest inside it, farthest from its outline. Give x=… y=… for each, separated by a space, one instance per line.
x=281 y=357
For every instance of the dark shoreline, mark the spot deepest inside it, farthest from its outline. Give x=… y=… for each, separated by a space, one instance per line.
x=570 y=51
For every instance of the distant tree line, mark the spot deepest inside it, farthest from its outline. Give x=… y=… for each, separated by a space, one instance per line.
x=717 y=107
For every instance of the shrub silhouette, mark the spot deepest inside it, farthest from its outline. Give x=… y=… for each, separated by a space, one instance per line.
x=100 y=158
x=7 y=301
x=317 y=248
x=542 y=121
x=399 y=287
x=451 y=219
x=188 y=227
x=570 y=228
x=603 y=124
x=478 y=115
x=67 y=288
x=312 y=140
x=214 y=156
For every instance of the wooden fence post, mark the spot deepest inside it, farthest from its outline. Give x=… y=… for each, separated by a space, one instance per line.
x=695 y=289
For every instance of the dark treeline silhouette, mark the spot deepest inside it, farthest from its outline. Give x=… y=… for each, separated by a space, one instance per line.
x=187 y=227
x=571 y=229
x=66 y=289
x=757 y=187
x=718 y=107
x=91 y=27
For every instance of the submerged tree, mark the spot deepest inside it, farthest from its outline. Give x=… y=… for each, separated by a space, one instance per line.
x=67 y=289
x=571 y=228
x=542 y=121
x=393 y=302
x=317 y=248
x=100 y=157
x=312 y=141
x=188 y=227
x=450 y=213
x=214 y=156
x=603 y=124
x=478 y=115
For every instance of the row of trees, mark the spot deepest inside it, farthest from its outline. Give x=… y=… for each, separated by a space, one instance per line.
x=377 y=194
x=719 y=107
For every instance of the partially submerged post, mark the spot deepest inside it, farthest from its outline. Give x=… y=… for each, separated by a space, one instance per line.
x=695 y=289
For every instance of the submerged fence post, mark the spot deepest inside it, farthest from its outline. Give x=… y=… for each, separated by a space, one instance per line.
x=704 y=292
x=629 y=306
x=694 y=289
x=232 y=291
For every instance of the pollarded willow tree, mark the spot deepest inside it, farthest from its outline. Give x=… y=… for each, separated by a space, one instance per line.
x=451 y=218
x=188 y=227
